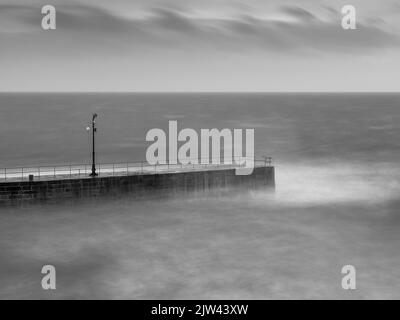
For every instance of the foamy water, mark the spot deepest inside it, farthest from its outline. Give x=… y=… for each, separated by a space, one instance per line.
x=336 y=202
x=337 y=183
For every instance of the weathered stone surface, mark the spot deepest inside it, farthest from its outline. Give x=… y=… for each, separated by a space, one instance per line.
x=140 y=186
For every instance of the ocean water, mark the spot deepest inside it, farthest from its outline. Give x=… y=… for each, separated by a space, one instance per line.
x=337 y=159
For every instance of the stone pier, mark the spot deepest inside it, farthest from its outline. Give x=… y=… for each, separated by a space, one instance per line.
x=135 y=185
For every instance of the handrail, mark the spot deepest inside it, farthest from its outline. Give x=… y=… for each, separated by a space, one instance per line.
x=48 y=172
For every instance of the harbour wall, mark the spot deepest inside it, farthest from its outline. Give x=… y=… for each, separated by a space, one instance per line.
x=135 y=186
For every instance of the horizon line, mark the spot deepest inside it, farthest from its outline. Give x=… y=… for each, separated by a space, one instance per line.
x=204 y=92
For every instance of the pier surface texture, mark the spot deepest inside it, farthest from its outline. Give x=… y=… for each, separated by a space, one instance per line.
x=136 y=185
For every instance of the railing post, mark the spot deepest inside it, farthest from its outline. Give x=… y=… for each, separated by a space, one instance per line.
x=54 y=168
x=5 y=174
x=70 y=172
x=39 y=172
x=22 y=173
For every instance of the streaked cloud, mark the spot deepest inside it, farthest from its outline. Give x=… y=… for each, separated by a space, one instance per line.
x=105 y=30
x=166 y=27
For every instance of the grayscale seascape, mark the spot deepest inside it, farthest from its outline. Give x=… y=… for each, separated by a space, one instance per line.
x=337 y=159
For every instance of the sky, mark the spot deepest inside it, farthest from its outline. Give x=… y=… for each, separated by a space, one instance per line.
x=200 y=46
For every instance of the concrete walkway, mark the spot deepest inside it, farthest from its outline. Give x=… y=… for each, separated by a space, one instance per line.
x=46 y=173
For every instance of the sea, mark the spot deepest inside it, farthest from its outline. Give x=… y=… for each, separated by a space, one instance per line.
x=336 y=203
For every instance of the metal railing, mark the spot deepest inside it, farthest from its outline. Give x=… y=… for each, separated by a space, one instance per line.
x=119 y=169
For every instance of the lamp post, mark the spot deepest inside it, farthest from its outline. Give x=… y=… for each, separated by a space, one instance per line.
x=94 y=129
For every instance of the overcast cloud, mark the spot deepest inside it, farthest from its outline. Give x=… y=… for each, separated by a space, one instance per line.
x=199 y=46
